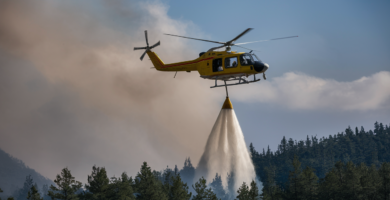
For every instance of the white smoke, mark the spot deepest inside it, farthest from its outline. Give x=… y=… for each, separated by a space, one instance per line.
x=304 y=92
x=226 y=152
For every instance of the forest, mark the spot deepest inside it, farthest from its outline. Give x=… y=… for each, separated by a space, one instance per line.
x=146 y=185
x=353 y=164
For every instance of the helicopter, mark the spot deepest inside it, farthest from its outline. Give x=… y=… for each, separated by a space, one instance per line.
x=216 y=65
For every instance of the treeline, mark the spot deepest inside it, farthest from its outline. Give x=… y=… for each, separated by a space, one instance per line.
x=146 y=185
x=352 y=151
x=358 y=146
x=343 y=182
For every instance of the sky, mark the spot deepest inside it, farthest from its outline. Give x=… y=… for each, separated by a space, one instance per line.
x=74 y=93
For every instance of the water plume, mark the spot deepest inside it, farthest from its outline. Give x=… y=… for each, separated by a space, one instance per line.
x=226 y=151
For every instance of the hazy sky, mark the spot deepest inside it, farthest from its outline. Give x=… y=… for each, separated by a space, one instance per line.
x=74 y=93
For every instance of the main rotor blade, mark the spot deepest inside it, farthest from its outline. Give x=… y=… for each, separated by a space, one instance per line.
x=267 y=40
x=155 y=45
x=238 y=36
x=196 y=39
x=212 y=49
x=142 y=57
x=139 y=48
x=247 y=48
x=146 y=37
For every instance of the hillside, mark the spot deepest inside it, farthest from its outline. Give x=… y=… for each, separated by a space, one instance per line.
x=356 y=146
x=13 y=174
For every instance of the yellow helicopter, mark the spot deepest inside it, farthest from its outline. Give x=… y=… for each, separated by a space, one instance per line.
x=216 y=65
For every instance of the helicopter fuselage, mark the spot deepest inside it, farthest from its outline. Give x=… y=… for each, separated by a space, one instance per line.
x=215 y=65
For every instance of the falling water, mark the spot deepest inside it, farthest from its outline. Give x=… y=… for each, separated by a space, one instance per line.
x=226 y=151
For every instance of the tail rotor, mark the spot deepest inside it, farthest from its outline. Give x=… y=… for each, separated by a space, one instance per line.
x=147 y=48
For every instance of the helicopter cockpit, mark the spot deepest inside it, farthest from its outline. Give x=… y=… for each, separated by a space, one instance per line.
x=252 y=59
x=249 y=59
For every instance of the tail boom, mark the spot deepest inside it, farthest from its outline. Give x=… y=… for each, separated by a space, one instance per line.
x=180 y=66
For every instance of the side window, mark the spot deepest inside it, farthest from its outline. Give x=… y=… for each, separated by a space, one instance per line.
x=231 y=62
x=217 y=65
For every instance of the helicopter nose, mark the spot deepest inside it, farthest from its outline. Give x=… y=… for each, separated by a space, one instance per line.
x=266 y=66
x=261 y=67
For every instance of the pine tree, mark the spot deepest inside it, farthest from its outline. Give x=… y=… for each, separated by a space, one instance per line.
x=217 y=187
x=294 y=179
x=271 y=190
x=352 y=185
x=45 y=192
x=309 y=182
x=253 y=193
x=179 y=190
x=243 y=192
x=148 y=186
x=188 y=172
x=121 y=188
x=370 y=181
x=329 y=186
x=66 y=188
x=252 y=150
x=33 y=194
x=231 y=193
x=202 y=192
x=23 y=192
x=97 y=183
x=384 y=173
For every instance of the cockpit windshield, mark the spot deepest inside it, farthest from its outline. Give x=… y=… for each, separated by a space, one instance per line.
x=255 y=57
x=246 y=59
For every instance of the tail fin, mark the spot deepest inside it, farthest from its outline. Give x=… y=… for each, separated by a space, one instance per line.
x=157 y=62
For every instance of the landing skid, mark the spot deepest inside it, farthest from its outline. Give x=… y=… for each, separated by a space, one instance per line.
x=240 y=82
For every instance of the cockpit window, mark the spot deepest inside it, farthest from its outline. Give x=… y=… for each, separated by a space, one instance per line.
x=255 y=57
x=246 y=59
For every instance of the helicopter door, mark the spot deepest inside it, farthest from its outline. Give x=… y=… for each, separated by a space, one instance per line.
x=217 y=65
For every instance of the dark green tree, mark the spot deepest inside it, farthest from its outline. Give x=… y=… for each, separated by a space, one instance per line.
x=66 y=186
x=231 y=193
x=217 y=187
x=254 y=191
x=202 y=192
x=270 y=191
x=188 y=172
x=23 y=192
x=179 y=190
x=330 y=186
x=243 y=192
x=309 y=184
x=121 y=188
x=97 y=184
x=370 y=181
x=352 y=187
x=384 y=174
x=45 y=192
x=148 y=186
x=295 y=184
x=33 y=194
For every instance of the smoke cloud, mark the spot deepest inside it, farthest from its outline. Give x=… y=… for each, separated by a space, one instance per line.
x=74 y=93
x=303 y=92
